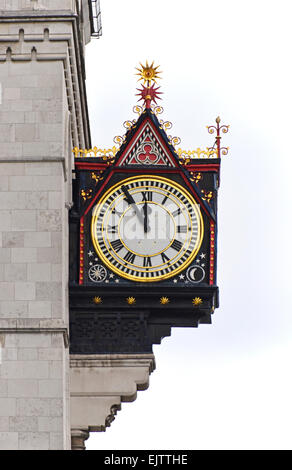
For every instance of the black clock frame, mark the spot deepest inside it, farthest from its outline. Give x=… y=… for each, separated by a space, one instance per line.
x=117 y=315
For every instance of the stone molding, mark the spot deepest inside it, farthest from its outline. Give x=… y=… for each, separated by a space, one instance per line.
x=113 y=360
x=31 y=325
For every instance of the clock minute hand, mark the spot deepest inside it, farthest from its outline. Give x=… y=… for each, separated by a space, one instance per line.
x=129 y=198
x=131 y=201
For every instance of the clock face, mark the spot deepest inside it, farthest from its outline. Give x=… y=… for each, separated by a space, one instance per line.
x=147 y=228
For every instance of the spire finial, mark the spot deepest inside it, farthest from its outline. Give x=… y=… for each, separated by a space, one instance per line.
x=148 y=73
x=224 y=128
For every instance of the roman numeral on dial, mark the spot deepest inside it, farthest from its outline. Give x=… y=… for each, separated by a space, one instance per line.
x=176 y=245
x=117 y=245
x=130 y=257
x=164 y=257
x=147 y=196
x=182 y=228
x=147 y=262
x=165 y=199
x=112 y=229
x=177 y=212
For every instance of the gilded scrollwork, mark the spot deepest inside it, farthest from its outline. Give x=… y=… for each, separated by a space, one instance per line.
x=119 y=139
x=185 y=156
x=96 y=176
x=138 y=109
x=207 y=195
x=196 y=176
x=174 y=140
x=157 y=110
x=95 y=152
x=130 y=124
x=165 y=125
x=86 y=194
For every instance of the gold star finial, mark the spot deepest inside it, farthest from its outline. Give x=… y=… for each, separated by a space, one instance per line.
x=148 y=73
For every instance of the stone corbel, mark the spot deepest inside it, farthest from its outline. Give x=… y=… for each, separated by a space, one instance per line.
x=98 y=386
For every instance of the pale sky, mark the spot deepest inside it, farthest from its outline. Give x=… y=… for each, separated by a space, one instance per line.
x=227 y=385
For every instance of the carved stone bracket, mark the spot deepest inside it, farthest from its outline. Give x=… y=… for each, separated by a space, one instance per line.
x=99 y=383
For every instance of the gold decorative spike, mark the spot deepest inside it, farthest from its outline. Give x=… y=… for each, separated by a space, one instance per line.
x=164 y=300
x=97 y=300
x=86 y=194
x=131 y=300
x=148 y=73
x=207 y=195
x=197 y=301
x=196 y=176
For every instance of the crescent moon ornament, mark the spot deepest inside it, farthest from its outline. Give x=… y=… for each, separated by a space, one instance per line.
x=195 y=273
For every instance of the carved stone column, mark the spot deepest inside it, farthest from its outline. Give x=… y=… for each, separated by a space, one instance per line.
x=78 y=438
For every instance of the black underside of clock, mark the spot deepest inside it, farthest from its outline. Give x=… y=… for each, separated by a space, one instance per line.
x=103 y=322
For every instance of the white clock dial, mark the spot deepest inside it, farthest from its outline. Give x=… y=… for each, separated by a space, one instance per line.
x=147 y=228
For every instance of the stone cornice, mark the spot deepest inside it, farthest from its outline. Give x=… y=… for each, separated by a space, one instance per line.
x=26 y=15
x=34 y=325
x=113 y=360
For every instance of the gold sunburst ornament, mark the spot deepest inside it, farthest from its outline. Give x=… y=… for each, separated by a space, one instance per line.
x=197 y=301
x=131 y=300
x=148 y=73
x=97 y=300
x=164 y=300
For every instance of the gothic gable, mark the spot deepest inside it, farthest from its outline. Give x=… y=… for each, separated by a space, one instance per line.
x=147 y=145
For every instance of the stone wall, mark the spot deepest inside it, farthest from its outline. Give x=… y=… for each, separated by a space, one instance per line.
x=43 y=115
x=33 y=307
x=32 y=390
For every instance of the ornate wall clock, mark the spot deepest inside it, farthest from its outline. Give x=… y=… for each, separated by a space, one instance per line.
x=142 y=235
x=147 y=228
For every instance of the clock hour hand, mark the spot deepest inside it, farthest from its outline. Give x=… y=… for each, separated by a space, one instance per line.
x=146 y=227
x=131 y=201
